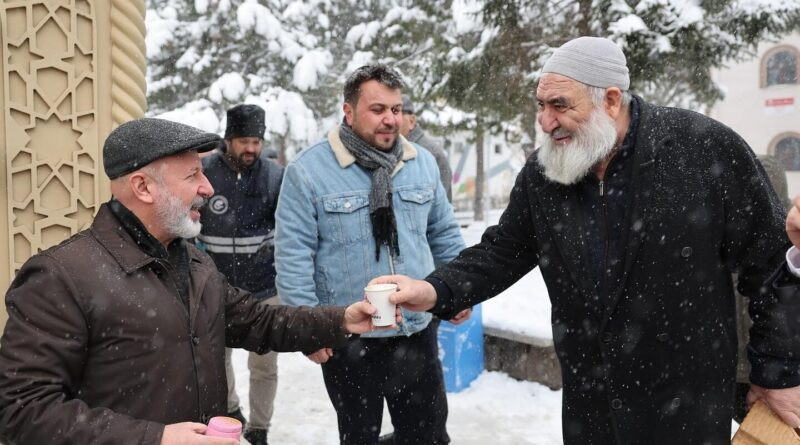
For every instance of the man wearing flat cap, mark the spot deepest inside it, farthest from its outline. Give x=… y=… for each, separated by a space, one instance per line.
x=237 y=234
x=637 y=215
x=118 y=334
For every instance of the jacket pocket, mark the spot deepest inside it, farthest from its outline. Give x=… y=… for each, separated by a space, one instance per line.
x=347 y=217
x=417 y=203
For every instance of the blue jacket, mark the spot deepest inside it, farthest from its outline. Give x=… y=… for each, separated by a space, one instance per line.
x=238 y=221
x=324 y=248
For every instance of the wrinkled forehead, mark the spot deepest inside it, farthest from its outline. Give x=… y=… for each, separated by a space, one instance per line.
x=553 y=85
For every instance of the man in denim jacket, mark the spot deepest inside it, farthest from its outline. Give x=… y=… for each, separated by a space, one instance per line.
x=364 y=203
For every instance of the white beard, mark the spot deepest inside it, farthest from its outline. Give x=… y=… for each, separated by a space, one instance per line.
x=592 y=142
x=176 y=219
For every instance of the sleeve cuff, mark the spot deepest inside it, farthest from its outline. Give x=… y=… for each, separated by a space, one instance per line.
x=773 y=372
x=443 y=308
x=793 y=261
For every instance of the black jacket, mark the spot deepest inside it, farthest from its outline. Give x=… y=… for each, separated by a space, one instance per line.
x=238 y=222
x=653 y=360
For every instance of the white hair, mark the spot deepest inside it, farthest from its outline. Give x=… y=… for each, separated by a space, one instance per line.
x=598 y=95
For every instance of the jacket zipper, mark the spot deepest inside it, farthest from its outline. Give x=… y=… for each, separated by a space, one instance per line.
x=235 y=228
x=603 y=273
x=391 y=259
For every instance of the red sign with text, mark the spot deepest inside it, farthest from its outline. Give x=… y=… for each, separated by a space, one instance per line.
x=780 y=102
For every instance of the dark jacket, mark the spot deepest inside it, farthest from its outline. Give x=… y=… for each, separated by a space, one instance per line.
x=419 y=137
x=653 y=360
x=239 y=219
x=100 y=349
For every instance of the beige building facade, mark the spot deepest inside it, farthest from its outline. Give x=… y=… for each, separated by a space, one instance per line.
x=71 y=70
x=762 y=103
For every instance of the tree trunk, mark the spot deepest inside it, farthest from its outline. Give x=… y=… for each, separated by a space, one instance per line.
x=480 y=176
x=280 y=141
x=585 y=8
x=529 y=116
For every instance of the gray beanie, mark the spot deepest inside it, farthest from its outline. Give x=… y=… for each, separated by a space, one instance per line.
x=594 y=61
x=139 y=142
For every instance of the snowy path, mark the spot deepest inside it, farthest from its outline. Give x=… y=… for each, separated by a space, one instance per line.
x=495 y=409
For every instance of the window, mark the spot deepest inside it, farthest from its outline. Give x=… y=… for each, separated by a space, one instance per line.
x=786 y=148
x=780 y=66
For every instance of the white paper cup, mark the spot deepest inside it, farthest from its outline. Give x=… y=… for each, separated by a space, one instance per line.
x=378 y=296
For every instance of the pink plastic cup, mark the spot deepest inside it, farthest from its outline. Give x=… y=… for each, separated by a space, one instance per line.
x=222 y=426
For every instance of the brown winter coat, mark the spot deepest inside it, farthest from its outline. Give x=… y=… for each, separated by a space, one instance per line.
x=99 y=347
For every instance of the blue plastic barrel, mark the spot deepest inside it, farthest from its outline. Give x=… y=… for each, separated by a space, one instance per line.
x=461 y=351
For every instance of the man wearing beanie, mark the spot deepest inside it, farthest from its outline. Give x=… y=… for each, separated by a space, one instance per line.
x=118 y=334
x=237 y=234
x=637 y=215
x=362 y=203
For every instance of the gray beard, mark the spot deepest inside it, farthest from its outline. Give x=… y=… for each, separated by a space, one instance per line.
x=591 y=143
x=175 y=217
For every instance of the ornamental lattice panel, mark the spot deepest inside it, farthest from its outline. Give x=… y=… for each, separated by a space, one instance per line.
x=62 y=94
x=50 y=90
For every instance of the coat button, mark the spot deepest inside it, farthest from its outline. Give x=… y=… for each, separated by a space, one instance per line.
x=686 y=252
x=616 y=404
x=662 y=337
x=347 y=205
x=607 y=337
x=675 y=403
x=195 y=340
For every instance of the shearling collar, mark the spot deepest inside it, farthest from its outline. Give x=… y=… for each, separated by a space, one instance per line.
x=346 y=159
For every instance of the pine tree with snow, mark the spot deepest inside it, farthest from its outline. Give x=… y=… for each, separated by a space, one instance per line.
x=207 y=55
x=492 y=67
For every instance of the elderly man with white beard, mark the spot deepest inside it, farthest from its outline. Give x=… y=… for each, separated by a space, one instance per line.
x=637 y=215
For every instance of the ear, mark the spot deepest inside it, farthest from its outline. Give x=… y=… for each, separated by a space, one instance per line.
x=349 y=110
x=613 y=102
x=412 y=121
x=141 y=186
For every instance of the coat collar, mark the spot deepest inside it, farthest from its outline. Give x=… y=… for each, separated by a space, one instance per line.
x=346 y=159
x=115 y=238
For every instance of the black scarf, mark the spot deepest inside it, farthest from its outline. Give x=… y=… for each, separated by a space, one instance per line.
x=176 y=254
x=381 y=164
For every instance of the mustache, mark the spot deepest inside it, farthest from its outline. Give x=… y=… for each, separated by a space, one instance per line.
x=559 y=133
x=199 y=202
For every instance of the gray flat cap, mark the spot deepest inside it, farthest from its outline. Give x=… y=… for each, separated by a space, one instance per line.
x=139 y=142
x=593 y=61
x=408 y=106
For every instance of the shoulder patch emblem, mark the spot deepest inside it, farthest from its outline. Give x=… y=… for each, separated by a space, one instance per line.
x=218 y=204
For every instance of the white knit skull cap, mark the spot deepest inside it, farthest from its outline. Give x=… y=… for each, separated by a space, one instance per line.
x=594 y=61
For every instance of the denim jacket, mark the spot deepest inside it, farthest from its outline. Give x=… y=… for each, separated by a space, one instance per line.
x=324 y=248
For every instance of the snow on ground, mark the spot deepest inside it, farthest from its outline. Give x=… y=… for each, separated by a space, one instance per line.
x=494 y=409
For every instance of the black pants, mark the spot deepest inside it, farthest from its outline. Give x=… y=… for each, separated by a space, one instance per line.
x=404 y=370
